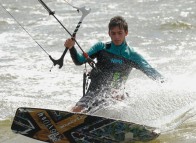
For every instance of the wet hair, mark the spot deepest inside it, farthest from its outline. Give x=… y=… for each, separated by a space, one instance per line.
x=118 y=21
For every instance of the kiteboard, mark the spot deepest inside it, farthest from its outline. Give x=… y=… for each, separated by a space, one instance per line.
x=54 y=126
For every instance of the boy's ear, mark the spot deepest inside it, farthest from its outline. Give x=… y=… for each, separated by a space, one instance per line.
x=126 y=32
x=109 y=33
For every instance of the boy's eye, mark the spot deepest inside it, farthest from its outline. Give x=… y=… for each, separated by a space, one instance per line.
x=114 y=33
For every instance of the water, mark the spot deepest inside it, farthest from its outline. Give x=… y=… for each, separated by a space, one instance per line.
x=162 y=31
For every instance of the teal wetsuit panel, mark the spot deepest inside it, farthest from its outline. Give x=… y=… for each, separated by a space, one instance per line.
x=135 y=59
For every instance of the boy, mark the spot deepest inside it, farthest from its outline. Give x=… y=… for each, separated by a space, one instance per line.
x=115 y=61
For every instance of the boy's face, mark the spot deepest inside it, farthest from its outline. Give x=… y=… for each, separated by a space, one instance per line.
x=117 y=35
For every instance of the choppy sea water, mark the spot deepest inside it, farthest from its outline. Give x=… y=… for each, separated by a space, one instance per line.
x=164 y=32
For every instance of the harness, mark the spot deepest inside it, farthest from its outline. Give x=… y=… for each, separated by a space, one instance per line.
x=86 y=80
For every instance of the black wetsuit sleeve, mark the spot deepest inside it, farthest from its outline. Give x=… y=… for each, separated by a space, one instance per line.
x=74 y=56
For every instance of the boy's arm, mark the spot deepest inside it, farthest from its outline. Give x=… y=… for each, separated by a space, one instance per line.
x=79 y=59
x=146 y=68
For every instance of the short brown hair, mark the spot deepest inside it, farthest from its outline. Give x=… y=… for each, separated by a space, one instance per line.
x=118 y=21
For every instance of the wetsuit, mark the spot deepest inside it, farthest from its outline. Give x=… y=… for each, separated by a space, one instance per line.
x=114 y=63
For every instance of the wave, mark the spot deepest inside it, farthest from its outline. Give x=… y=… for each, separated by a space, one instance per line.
x=5 y=131
x=7 y=136
x=181 y=25
x=3 y=23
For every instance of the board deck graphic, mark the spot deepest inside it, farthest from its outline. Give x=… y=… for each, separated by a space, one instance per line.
x=65 y=127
